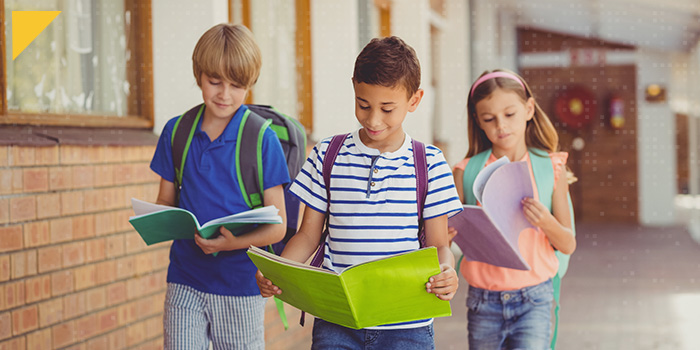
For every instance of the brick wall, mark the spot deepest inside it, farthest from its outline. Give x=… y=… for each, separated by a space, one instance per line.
x=607 y=165
x=73 y=272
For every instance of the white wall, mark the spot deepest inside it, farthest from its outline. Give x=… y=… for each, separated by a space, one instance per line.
x=656 y=152
x=455 y=81
x=177 y=25
x=334 y=46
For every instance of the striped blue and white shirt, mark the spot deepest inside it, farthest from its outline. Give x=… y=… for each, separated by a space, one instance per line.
x=373 y=210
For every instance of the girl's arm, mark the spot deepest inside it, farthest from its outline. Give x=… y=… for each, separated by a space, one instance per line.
x=556 y=225
x=445 y=284
x=458 y=175
x=299 y=248
x=166 y=193
x=260 y=237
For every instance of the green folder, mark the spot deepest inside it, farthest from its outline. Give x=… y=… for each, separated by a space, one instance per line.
x=378 y=292
x=157 y=223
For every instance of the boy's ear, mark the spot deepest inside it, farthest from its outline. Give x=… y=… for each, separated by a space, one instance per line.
x=414 y=101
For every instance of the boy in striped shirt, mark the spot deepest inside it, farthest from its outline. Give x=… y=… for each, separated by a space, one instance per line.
x=372 y=209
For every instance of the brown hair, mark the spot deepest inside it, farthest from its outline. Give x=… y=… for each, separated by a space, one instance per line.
x=388 y=62
x=228 y=52
x=539 y=133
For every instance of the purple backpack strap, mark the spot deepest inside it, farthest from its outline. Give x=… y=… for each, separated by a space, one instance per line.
x=421 y=165
x=328 y=161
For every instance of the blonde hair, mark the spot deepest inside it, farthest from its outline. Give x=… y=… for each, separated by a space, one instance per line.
x=539 y=133
x=229 y=52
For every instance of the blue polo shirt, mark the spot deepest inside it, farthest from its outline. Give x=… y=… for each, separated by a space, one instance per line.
x=210 y=190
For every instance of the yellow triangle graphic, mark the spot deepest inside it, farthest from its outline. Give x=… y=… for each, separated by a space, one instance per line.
x=26 y=26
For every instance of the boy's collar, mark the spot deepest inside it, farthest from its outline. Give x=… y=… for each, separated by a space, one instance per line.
x=231 y=131
x=405 y=147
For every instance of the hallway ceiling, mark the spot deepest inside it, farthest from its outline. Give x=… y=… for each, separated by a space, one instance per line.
x=671 y=25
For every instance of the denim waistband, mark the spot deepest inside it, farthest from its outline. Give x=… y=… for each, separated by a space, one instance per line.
x=512 y=295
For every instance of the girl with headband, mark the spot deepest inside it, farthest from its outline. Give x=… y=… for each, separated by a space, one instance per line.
x=508 y=308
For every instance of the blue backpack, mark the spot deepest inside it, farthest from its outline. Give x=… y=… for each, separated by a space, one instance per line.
x=249 y=168
x=543 y=171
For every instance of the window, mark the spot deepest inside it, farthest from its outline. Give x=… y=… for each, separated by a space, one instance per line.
x=90 y=67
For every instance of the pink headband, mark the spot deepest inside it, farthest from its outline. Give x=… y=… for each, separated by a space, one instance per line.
x=496 y=75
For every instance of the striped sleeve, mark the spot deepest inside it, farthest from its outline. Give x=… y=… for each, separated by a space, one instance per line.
x=442 y=195
x=308 y=185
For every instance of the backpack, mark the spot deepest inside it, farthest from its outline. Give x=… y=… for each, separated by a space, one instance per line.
x=543 y=171
x=249 y=170
x=421 y=164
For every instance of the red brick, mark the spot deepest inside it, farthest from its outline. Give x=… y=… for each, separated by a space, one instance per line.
x=60 y=178
x=36 y=180
x=62 y=282
x=83 y=226
x=95 y=249
x=50 y=258
x=135 y=333
x=4 y=156
x=14 y=344
x=51 y=312
x=122 y=220
x=72 y=203
x=117 y=339
x=106 y=272
x=74 y=305
x=144 y=263
x=22 y=156
x=37 y=288
x=14 y=294
x=115 y=245
x=101 y=342
x=73 y=155
x=83 y=176
x=61 y=230
x=116 y=293
x=5 y=325
x=93 y=201
x=17 y=180
x=125 y=267
x=86 y=327
x=4 y=268
x=24 y=320
x=46 y=155
x=36 y=234
x=96 y=299
x=104 y=223
x=39 y=340
x=22 y=209
x=11 y=238
x=85 y=277
x=24 y=263
x=73 y=254
x=5 y=181
x=109 y=320
x=48 y=205
x=63 y=334
x=4 y=211
x=104 y=175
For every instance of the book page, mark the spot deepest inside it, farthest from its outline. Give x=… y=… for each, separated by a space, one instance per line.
x=506 y=187
x=266 y=214
x=483 y=177
x=143 y=207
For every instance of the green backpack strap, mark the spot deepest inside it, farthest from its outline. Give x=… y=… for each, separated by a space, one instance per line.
x=180 y=141
x=474 y=166
x=249 y=169
x=543 y=170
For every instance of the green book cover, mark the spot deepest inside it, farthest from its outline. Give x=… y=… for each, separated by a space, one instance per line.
x=382 y=291
x=158 y=223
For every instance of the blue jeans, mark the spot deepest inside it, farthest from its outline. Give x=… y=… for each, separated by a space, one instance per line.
x=514 y=319
x=328 y=335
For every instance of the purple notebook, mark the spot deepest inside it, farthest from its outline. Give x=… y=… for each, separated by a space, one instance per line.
x=490 y=233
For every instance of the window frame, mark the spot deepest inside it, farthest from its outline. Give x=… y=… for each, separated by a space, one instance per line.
x=139 y=71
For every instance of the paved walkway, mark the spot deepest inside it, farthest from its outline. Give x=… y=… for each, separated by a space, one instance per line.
x=627 y=288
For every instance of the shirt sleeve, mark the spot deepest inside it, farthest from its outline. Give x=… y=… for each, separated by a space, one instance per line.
x=162 y=162
x=442 y=195
x=308 y=185
x=275 y=170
